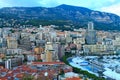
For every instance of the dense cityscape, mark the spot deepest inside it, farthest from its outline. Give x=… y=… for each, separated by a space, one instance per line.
x=43 y=53
x=59 y=40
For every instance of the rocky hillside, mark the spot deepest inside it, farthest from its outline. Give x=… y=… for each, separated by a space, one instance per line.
x=78 y=16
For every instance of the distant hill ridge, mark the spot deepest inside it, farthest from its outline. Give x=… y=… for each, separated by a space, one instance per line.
x=78 y=16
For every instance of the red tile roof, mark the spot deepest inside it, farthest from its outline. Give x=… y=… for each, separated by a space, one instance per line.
x=67 y=70
x=4 y=70
x=73 y=78
x=47 y=63
x=9 y=75
x=16 y=71
x=20 y=75
x=26 y=69
x=33 y=71
x=3 y=78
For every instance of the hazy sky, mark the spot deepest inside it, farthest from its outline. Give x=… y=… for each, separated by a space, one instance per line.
x=112 y=6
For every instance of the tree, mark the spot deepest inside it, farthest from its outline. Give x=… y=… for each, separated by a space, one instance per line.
x=28 y=77
x=12 y=31
x=61 y=72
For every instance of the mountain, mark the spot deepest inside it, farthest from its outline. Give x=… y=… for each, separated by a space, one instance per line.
x=78 y=16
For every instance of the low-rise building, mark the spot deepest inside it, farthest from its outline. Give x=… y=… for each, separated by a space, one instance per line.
x=94 y=48
x=14 y=51
x=70 y=76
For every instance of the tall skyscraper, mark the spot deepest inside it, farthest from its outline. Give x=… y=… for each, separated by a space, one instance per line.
x=90 y=34
x=90 y=26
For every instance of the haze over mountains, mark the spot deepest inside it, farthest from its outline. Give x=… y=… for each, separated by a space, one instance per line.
x=72 y=15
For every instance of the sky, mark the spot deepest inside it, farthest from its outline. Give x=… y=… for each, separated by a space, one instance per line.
x=112 y=6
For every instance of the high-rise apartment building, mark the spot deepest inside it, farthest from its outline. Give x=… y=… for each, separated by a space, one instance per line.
x=90 y=34
x=48 y=52
x=12 y=43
